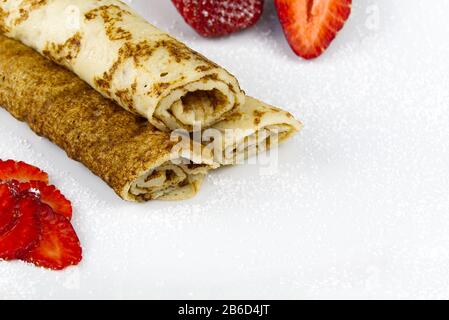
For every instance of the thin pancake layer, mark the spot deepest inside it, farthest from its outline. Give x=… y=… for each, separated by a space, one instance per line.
x=253 y=128
x=123 y=149
x=125 y=58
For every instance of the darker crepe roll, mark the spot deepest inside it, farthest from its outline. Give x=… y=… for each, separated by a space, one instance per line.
x=128 y=153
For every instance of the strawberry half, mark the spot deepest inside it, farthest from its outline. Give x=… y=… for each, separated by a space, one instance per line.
x=25 y=233
x=212 y=18
x=59 y=246
x=311 y=25
x=7 y=203
x=21 y=171
x=49 y=195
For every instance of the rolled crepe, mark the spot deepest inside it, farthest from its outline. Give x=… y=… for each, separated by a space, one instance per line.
x=126 y=59
x=253 y=128
x=123 y=149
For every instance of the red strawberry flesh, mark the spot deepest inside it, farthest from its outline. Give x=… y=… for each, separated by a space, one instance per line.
x=35 y=219
x=20 y=171
x=59 y=246
x=7 y=203
x=311 y=25
x=25 y=233
x=212 y=18
x=51 y=196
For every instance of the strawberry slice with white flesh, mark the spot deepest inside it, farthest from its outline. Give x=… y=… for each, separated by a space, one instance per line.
x=59 y=246
x=311 y=25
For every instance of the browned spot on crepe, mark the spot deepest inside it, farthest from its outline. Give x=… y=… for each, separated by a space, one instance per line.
x=3 y=16
x=126 y=98
x=236 y=116
x=127 y=51
x=258 y=116
x=203 y=68
x=231 y=88
x=177 y=50
x=26 y=7
x=140 y=52
x=64 y=53
x=213 y=76
x=112 y=16
x=158 y=88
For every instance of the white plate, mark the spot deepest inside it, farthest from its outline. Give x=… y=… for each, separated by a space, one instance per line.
x=359 y=207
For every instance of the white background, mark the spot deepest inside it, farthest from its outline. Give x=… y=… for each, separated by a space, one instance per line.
x=358 y=209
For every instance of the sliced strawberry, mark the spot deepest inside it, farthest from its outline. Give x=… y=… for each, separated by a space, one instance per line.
x=21 y=171
x=59 y=246
x=311 y=25
x=49 y=195
x=25 y=233
x=8 y=201
x=211 y=18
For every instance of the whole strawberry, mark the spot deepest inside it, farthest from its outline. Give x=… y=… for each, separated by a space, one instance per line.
x=213 y=18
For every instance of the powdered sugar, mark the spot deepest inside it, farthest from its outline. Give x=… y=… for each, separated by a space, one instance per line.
x=357 y=209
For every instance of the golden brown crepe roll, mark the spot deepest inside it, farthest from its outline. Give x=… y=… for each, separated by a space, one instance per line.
x=142 y=68
x=127 y=152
